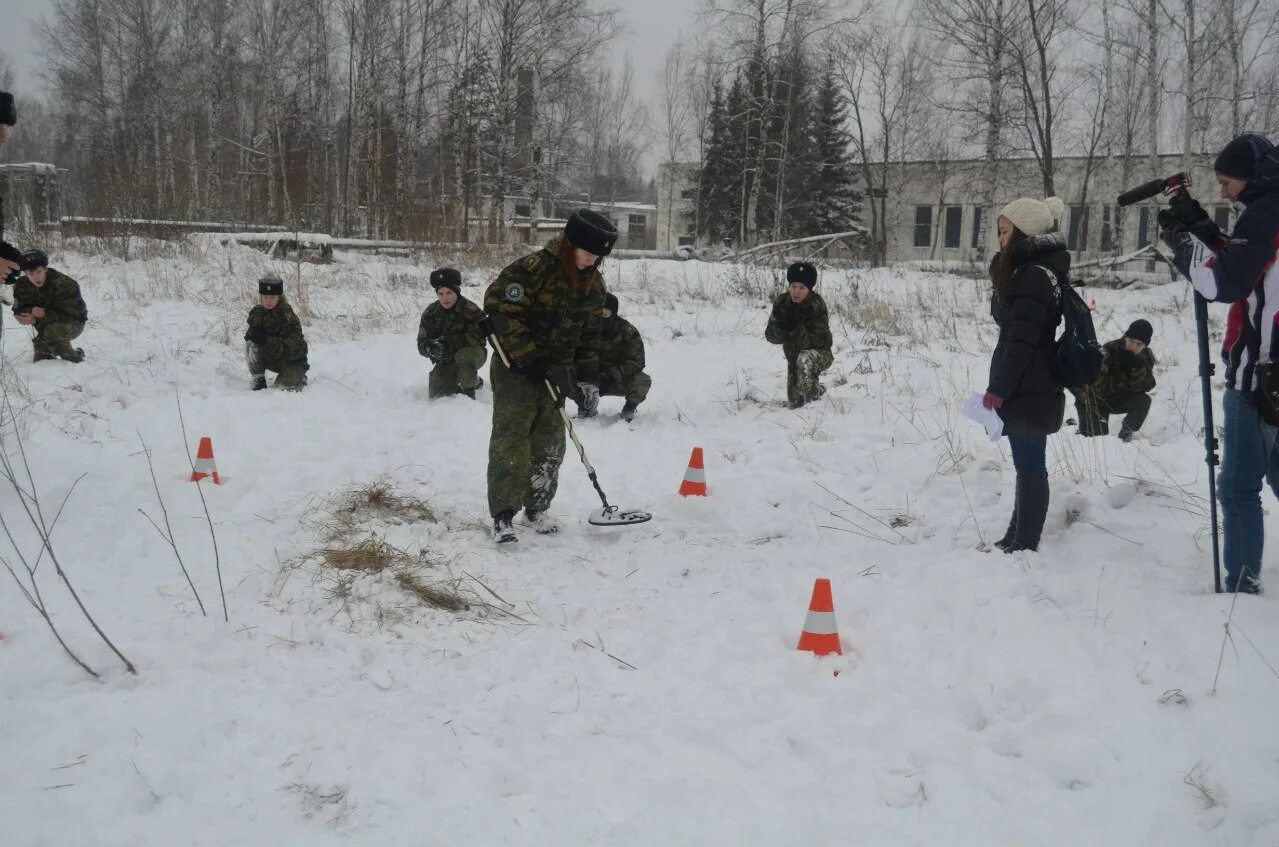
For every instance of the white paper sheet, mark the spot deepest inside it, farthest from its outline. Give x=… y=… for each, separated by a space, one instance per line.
x=988 y=418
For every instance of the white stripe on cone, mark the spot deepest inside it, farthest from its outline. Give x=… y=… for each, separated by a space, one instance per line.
x=820 y=623
x=695 y=475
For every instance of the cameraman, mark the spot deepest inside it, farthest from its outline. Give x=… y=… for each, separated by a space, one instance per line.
x=1239 y=269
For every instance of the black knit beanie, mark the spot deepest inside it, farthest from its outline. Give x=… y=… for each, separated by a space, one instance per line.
x=591 y=231
x=268 y=285
x=1242 y=157
x=610 y=303
x=802 y=272
x=446 y=278
x=1140 y=331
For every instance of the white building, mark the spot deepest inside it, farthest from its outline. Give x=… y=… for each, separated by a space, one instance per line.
x=933 y=210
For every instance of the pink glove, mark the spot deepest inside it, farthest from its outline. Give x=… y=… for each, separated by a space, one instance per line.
x=992 y=401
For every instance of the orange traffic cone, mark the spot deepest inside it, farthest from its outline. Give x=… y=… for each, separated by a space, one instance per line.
x=820 y=636
x=694 y=484
x=204 y=462
x=1092 y=307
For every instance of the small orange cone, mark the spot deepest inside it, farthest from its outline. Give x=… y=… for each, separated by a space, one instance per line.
x=694 y=484
x=1092 y=307
x=204 y=462
x=820 y=636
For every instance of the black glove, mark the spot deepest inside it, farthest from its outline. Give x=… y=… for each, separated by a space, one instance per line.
x=531 y=367
x=1129 y=360
x=257 y=335
x=784 y=319
x=13 y=254
x=434 y=350
x=561 y=377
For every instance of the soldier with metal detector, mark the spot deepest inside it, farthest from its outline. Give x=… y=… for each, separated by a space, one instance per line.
x=1241 y=269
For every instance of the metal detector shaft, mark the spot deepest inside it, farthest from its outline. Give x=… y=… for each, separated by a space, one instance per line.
x=568 y=423
x=1206 y=370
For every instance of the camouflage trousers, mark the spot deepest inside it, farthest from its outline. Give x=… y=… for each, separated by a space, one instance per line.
x=54 y=339
x=802 y=373
x=526 y=446
x=292 y=375
x=635 y=389
x=461 y=374
x=1094 y=412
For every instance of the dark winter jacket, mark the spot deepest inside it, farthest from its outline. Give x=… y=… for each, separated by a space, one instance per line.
x=278 y=332
x=1123 y=373
x=550 y=319
x=799 y=326
x=457 y=327
x=621 y=350
x=7 y=250
x=59 y=297
x=1021 y=365
x=1242 y=269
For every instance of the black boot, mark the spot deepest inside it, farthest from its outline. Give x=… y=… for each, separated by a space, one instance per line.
x=628 y=411
x=503 y=532
x=259 y=382
x=1032 y=510
x=1006 y=542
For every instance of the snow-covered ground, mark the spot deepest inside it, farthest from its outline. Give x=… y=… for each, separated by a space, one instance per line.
x=615 y=686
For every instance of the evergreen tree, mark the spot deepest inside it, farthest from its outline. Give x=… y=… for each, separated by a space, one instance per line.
x=833 y=201
x=718 y=198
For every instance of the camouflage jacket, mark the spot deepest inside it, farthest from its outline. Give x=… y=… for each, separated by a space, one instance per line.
x=457 y=327
x=278 y=332
x=810 y=324
x=59 y=297
x=1123 y=372
x=548 y=315
x=621 y=350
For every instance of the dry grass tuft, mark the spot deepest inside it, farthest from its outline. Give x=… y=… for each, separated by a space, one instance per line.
x=442 y=595
x=370 y=554
x=379 y=499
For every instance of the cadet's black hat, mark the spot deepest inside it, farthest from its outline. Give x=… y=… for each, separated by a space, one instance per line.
x=446 y=278
x=8 y=111
x=591 y=231
x=34 y=259
x=802 y=272
x=1140 y=331
x=271 y=285
x=610 y=303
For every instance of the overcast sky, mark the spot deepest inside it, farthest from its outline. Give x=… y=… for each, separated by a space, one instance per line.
x=653 y=27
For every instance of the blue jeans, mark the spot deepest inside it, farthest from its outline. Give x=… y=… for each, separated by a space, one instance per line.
x=1248 y=457
x=1029 y=453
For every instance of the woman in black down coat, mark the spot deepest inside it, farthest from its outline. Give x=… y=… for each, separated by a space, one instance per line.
x=1026 y=304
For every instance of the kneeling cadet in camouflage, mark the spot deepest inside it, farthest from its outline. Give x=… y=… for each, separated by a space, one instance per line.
x=800 y=323
x=274 y=340
x=552 y=302
x=49 y=301
x=621 y=364
x=450 y=336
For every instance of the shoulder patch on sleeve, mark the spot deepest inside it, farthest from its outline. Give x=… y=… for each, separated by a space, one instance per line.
x=515 y=292
x=531 y=261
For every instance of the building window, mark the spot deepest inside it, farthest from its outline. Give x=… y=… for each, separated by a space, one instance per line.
x=687 y=194
x=523 y=210
x=636 y=225
x=1107 y=228
x=1143 y=228
x=1221 y=217
x=1077 y=239
x=563 y=212
x=977 y=210
x=954 y=222
x=923 y=226
x=687 y=240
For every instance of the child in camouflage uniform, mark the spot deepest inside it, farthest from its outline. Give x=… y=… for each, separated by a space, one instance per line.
x=1127 y=378
x=621 y=364
x=274 y=341
x=546 y=310
x=450 y=336
x=49 y=301
x=800 y=323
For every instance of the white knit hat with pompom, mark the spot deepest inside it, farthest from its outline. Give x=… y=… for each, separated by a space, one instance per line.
x=1031 y=216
